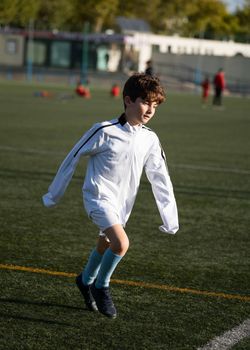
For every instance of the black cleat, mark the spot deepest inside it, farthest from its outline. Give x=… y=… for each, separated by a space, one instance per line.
x=103 y=301
x=86 y=293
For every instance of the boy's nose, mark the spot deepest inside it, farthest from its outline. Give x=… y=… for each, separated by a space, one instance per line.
x=150 y=108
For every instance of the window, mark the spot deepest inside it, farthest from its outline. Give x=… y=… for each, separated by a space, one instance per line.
x=102 y=58
x=60 y=54
x=11 y=46
x=39 y=53
x=156 y=48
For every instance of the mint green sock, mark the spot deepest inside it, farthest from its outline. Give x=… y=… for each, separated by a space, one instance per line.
x=91 y=270
x=108 y=265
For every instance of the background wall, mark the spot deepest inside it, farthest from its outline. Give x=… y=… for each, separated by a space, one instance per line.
x=193 y=68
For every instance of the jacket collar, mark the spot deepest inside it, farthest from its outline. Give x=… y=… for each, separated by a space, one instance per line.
x=122 y=119
x=123 y=122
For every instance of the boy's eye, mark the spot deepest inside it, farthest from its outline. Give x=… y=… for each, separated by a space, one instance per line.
x=154 y=105
x=150 y=103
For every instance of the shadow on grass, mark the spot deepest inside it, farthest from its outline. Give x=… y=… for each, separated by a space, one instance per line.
x=32 y=319
x=39 y=303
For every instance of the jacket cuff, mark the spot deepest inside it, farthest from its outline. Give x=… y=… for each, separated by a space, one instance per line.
x=48 y=201
x=166 y=230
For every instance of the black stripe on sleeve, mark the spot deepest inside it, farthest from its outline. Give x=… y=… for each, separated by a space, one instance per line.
x=120 y=121
x=162 y=151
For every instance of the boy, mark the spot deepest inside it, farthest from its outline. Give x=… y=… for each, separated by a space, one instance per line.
x=119 y=150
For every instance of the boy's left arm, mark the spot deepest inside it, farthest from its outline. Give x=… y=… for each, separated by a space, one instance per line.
x=158 y=176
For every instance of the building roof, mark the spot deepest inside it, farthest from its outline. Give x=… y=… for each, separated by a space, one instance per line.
x=133 y=25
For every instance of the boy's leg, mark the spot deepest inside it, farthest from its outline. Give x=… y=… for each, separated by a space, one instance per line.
x=118 y=238
x=94 y=262
x=102 y=244
x=87 y=277
x=119 y=244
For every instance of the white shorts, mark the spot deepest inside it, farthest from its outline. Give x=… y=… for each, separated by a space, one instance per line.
x=104 y=219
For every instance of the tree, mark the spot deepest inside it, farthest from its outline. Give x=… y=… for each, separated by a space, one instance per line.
x=171 y=16
x=99 y=13
x=47 y=14
x=54 y=14
x=26 y=10
x=243 y=17
x=8 y=11
x=208 y=19
x=194 y=18
x=143 y=9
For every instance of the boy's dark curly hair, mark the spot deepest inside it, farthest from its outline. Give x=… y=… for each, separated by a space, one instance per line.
x=145 y=86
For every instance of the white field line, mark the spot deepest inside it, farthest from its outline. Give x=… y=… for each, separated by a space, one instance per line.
x=181 y=166
x=229 y=338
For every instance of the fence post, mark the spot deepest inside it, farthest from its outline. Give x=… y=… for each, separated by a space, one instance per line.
x=84 y=72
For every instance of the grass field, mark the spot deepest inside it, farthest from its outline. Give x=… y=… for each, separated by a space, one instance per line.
x=188 y=288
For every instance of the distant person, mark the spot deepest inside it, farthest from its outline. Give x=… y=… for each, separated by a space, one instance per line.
x=115 y=90
x=149 y=68
x=205 y=90
x=219 y=86
x=106 y=57
x=82 y=91
x=119 y=150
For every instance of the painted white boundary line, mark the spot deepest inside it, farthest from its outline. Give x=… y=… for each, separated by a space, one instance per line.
x=229 y=338
x=181 y=166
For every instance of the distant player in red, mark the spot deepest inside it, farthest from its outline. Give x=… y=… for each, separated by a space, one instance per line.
x=82 y=91
x=205 y=90
x=115 y=90
x=219 y=86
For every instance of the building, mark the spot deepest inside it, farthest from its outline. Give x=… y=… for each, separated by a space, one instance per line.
x=183 y=59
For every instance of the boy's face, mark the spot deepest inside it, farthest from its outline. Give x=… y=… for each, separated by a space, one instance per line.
x=140 y=111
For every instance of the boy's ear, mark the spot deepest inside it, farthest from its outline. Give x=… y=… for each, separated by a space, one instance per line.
x=127 y=100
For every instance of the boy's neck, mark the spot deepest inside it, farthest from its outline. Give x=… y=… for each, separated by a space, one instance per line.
x=131 y=120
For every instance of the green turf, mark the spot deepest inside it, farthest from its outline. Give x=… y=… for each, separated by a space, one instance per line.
x=208 y=156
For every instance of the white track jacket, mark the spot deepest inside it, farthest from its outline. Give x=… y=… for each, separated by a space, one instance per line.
x=118 y=154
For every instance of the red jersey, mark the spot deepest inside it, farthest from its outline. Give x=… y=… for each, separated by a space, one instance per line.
x=219 y=81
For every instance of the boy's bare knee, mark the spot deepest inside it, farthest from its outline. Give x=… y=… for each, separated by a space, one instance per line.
x=102 y=245
x=119 y=242
x=120 y=247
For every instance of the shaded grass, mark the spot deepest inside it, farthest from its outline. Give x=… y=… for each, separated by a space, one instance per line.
x=47 y=310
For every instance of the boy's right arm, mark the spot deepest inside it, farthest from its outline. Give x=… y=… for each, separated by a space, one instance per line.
x=87 y=145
